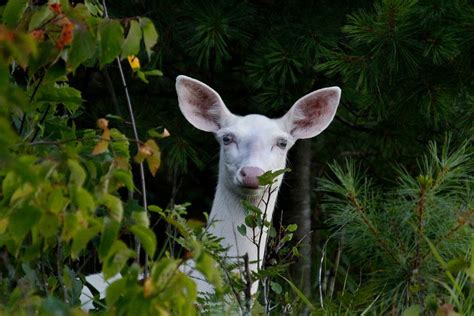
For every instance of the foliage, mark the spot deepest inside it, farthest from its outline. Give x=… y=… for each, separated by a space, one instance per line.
x=412 y=241
x=62 y=186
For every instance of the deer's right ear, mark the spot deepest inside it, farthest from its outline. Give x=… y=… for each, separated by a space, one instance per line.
x=201 y=105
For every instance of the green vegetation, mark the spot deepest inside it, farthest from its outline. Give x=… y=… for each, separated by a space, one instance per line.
x=390 y=228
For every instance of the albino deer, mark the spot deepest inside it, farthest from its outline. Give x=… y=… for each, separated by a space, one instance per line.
x=249 y=146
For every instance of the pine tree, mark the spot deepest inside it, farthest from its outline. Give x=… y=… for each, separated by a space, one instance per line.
x=411 y=240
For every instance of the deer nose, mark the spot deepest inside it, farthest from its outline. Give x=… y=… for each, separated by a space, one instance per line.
x=250 y=176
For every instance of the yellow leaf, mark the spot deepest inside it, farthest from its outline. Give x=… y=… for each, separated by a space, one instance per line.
x=103 y=143
x=121 y=163
x=148 y=288
x=134 y=62
x=154 y=160
x=3 y=225
x=143 y=152
x=102 y=123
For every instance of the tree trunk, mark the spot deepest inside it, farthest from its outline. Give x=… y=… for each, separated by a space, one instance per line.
x=296 y=208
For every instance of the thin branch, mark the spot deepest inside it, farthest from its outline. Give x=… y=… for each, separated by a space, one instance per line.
x=352 y=126
x=248 y=285
x=372 y=228
x=137 y=139
x=62 y=142
x=35 y=90
x=43 y=118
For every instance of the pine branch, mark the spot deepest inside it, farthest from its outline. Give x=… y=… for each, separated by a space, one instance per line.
x=419 y=210
x=375 y=232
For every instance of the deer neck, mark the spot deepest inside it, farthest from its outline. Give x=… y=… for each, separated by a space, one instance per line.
x=228 y=212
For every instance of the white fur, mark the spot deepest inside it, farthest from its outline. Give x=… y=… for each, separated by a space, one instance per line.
x=100 y=284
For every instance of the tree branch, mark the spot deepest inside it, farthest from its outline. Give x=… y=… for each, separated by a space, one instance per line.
x=137 y=139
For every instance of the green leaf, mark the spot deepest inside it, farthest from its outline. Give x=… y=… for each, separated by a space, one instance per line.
x=22 y=220
x=125 y=177
x=292 y=228
x=300 y=294
x=71 y=226
x=131 y=44
x=114 y=204
x=114 y=291
x=117 y=258
x=140 y=217
x=82 y=238
x=7 y=137
x=78 y=174
x=251 y=221
x=68 y=96
x=54 y=306
x=155 y=209
x=56 y=201
x=252 y=209
x=110 y=40
x=147 y=238
x=272 y=232
x=22 y=192
x=84 y=200
x=242 y=229
x=9 y=184
x=48 y=225
x=163 y=270
x=13 y=12
x=269 y=177
x=83 y=47
x=142 y=76
x=457 y=265
x=58 y=72
x=413 y=310
x=208 y=266
x=154 y=72
x=109 y=234
x=39 y=17
x=276 y=287
x=120 y=145
x=150 y=35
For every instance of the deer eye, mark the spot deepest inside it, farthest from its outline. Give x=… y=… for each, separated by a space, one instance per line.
x=227 y=139
x=282 y=143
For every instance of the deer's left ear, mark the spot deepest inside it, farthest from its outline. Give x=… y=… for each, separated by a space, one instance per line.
x=311 y=114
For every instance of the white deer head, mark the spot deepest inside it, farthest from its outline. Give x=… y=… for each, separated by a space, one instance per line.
x=253 y=144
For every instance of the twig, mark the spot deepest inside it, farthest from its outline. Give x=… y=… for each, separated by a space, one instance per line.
x=320 y=275
x=59 y=256
x=61 y=142
x=248 y=285
x=43 y=118
x=420 y=210
x=135 y=133
x=23 y=119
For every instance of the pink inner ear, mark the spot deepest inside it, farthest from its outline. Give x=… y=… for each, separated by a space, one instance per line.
x=203 y=101
x=314 y=109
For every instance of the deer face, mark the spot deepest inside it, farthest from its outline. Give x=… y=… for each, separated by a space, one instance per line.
x=253 y=144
